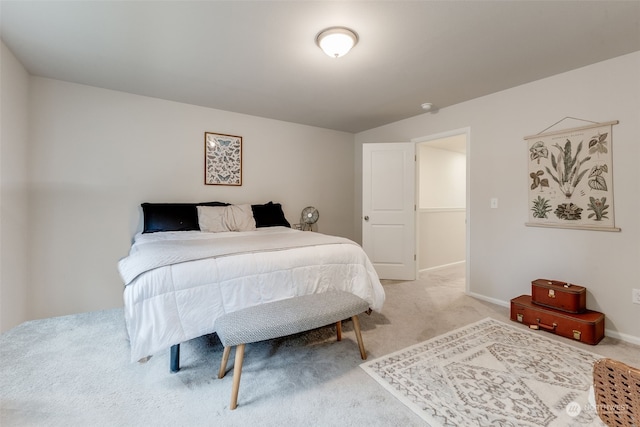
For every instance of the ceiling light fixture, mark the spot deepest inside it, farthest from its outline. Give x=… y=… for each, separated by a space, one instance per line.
x=427 y=106
x=336 y=41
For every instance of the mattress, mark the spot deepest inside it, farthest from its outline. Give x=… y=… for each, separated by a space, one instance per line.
x=178 y=283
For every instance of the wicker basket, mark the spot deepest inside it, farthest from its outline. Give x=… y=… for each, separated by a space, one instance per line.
x=617 y=392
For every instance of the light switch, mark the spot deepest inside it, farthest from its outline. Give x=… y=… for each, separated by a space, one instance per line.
x=494 y=203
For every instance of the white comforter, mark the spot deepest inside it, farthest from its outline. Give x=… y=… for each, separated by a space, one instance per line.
x=178 y=283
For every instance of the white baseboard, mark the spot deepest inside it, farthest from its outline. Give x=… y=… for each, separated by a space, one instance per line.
x=620 y=336
x=607 y=332
x=440 y=267
x=491 y=300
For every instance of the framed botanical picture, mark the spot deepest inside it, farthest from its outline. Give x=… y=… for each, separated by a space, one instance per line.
x=222 y=159
x=571 y=178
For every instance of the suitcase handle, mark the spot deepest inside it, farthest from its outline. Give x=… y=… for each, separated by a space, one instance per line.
x=547 y=327
x=564 y=284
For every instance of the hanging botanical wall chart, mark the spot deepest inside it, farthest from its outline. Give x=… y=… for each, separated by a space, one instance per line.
x=571 y=178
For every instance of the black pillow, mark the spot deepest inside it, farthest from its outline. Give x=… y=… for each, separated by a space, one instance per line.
x=172 y=216
x=213 y=204
x=169 y=217
x=269 y=215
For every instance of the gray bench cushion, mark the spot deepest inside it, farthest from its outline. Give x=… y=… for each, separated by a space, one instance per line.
x=287 y=317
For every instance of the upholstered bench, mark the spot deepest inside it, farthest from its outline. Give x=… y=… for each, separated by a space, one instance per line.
x=281 y=318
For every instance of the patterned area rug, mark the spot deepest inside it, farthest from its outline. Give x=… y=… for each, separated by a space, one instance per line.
x=492 y=374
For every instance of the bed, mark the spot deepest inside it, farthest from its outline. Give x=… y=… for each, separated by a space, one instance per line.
x=195 y=262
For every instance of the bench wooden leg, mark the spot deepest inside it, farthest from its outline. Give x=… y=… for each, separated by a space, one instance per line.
x=174 y=361
x=339 y=330
x=237 y=372
x=225 y=360
x=356 y=328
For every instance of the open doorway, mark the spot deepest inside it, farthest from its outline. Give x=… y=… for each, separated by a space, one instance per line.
x=441 y=202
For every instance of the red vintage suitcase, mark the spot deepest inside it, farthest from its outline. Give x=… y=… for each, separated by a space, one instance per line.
x=559 y=295
x=587 y=327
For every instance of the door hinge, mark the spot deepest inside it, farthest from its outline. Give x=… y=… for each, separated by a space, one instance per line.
x=415 y=257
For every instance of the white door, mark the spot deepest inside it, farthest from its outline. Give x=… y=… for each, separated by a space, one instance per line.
x=388 y=208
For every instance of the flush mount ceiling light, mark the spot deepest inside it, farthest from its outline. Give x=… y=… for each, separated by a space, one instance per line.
x=427 y=106
x=336 y=41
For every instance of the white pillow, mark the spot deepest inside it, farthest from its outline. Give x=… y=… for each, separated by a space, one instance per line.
x=211 y=219
x=215 y=219
x=240 y=218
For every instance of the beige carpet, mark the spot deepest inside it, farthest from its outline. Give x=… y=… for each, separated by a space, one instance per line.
x=491 y=373
x=75 y=370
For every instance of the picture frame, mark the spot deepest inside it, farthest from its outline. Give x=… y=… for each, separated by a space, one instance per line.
x=570 y=178
x=222 y=159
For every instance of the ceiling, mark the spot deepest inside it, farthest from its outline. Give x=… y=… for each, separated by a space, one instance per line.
x=260 y=57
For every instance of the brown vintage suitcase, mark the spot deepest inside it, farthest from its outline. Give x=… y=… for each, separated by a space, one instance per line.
x=559 y=295
x=587 y=327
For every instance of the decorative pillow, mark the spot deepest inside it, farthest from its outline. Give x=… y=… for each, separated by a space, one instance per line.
x=212 y=204
x=240 y=218
x=269 y=215
x=169 y=217
x=212 y=219
x=215 y=219
x=172 y=216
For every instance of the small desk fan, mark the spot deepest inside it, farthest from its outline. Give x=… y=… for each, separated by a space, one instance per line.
x=308 y=217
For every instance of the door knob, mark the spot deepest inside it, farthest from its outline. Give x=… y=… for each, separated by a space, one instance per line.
x=366 y=217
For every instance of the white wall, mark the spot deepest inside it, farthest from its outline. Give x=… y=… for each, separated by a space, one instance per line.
x=77 y=161
x=505 y=255
x=97 y=154
x=441 y=237
x=442 y=178
x=441 y=207
x=14 y=213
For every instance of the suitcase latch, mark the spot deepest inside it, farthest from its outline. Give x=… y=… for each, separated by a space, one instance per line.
x=519 y=316
x=576 y=335
x=552 y=293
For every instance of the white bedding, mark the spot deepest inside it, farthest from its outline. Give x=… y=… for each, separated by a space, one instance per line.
x=179 y=283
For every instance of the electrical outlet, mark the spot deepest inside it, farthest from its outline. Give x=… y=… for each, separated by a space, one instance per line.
x=635 y=296
x=494 y=203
